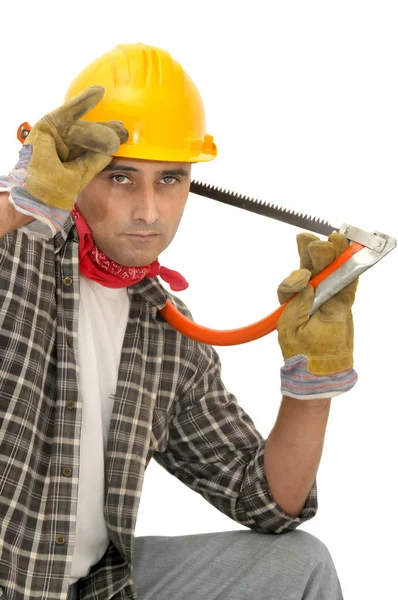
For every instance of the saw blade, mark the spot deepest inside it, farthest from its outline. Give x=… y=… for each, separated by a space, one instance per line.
x=263 y=208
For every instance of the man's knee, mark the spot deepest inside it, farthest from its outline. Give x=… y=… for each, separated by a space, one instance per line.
x=303 y=547
x=312 y=546
x=296 y=561
x=292 y=547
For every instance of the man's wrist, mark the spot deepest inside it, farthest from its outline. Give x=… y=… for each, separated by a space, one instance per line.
x=320 y=403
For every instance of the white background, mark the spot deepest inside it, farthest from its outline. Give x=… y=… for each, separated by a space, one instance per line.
x=302 y=100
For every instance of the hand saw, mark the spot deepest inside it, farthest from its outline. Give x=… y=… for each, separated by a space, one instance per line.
x=366 y=249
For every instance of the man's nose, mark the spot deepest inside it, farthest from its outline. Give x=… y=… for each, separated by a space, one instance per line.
x=145 y=208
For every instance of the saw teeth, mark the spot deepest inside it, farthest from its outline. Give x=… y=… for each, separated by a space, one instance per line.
x=211 y=191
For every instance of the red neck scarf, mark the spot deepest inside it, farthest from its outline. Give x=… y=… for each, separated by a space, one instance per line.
x=95 y=265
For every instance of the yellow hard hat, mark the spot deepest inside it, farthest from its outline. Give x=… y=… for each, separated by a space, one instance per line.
x=156 y=100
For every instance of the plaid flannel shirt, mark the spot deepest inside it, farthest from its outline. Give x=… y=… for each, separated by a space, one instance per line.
x=170 y=404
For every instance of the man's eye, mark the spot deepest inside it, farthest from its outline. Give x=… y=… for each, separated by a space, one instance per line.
x=169 y=179
x=119 y=178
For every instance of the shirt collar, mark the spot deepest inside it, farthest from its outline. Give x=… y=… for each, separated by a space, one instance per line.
x=68 y=231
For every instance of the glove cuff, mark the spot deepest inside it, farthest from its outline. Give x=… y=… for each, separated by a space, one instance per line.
x=297 y=382
x=48 y=221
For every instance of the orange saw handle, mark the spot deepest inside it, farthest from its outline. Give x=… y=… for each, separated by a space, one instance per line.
x=252 y=332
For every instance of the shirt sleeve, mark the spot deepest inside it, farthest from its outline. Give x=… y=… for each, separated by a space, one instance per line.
x=216 y=450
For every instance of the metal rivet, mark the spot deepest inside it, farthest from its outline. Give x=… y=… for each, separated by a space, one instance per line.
x=60 y=540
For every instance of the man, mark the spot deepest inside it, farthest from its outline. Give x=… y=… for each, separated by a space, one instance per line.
x=94 y=383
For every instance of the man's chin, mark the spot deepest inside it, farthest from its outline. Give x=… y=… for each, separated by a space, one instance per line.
x=136 y=262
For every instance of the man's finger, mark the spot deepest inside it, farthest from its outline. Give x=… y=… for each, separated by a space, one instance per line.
x=339 y=241
x=95 y=136
x=88 y=165
x=70 y=112
x=303 y=240
x=321 y=254
x=294 y=283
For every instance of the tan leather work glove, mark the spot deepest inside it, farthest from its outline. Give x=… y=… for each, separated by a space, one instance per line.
x=60 y=156
x=318 y=351
x=53 y=175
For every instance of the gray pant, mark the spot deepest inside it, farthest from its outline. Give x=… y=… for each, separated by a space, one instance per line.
x=234 y=565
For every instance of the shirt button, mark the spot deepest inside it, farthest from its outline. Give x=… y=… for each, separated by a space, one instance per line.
x=69 y=341
x=60 y=540
x=67 y=471
x=68 y=281
x=70 y=404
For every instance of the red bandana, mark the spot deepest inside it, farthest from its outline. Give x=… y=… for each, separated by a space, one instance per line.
x=95 y=265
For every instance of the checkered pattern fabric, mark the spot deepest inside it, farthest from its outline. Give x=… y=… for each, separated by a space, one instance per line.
x=169 y=404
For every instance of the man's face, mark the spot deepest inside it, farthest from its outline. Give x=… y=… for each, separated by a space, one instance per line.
x=130 y=199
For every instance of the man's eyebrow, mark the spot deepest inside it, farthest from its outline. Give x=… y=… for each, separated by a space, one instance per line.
x=182 y=172
x=120 y=167
x=163 y=172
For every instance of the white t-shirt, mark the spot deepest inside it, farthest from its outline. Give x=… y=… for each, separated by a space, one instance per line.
x=103 y=315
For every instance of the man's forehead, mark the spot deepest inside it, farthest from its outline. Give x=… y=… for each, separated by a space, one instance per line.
x=147 y=166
